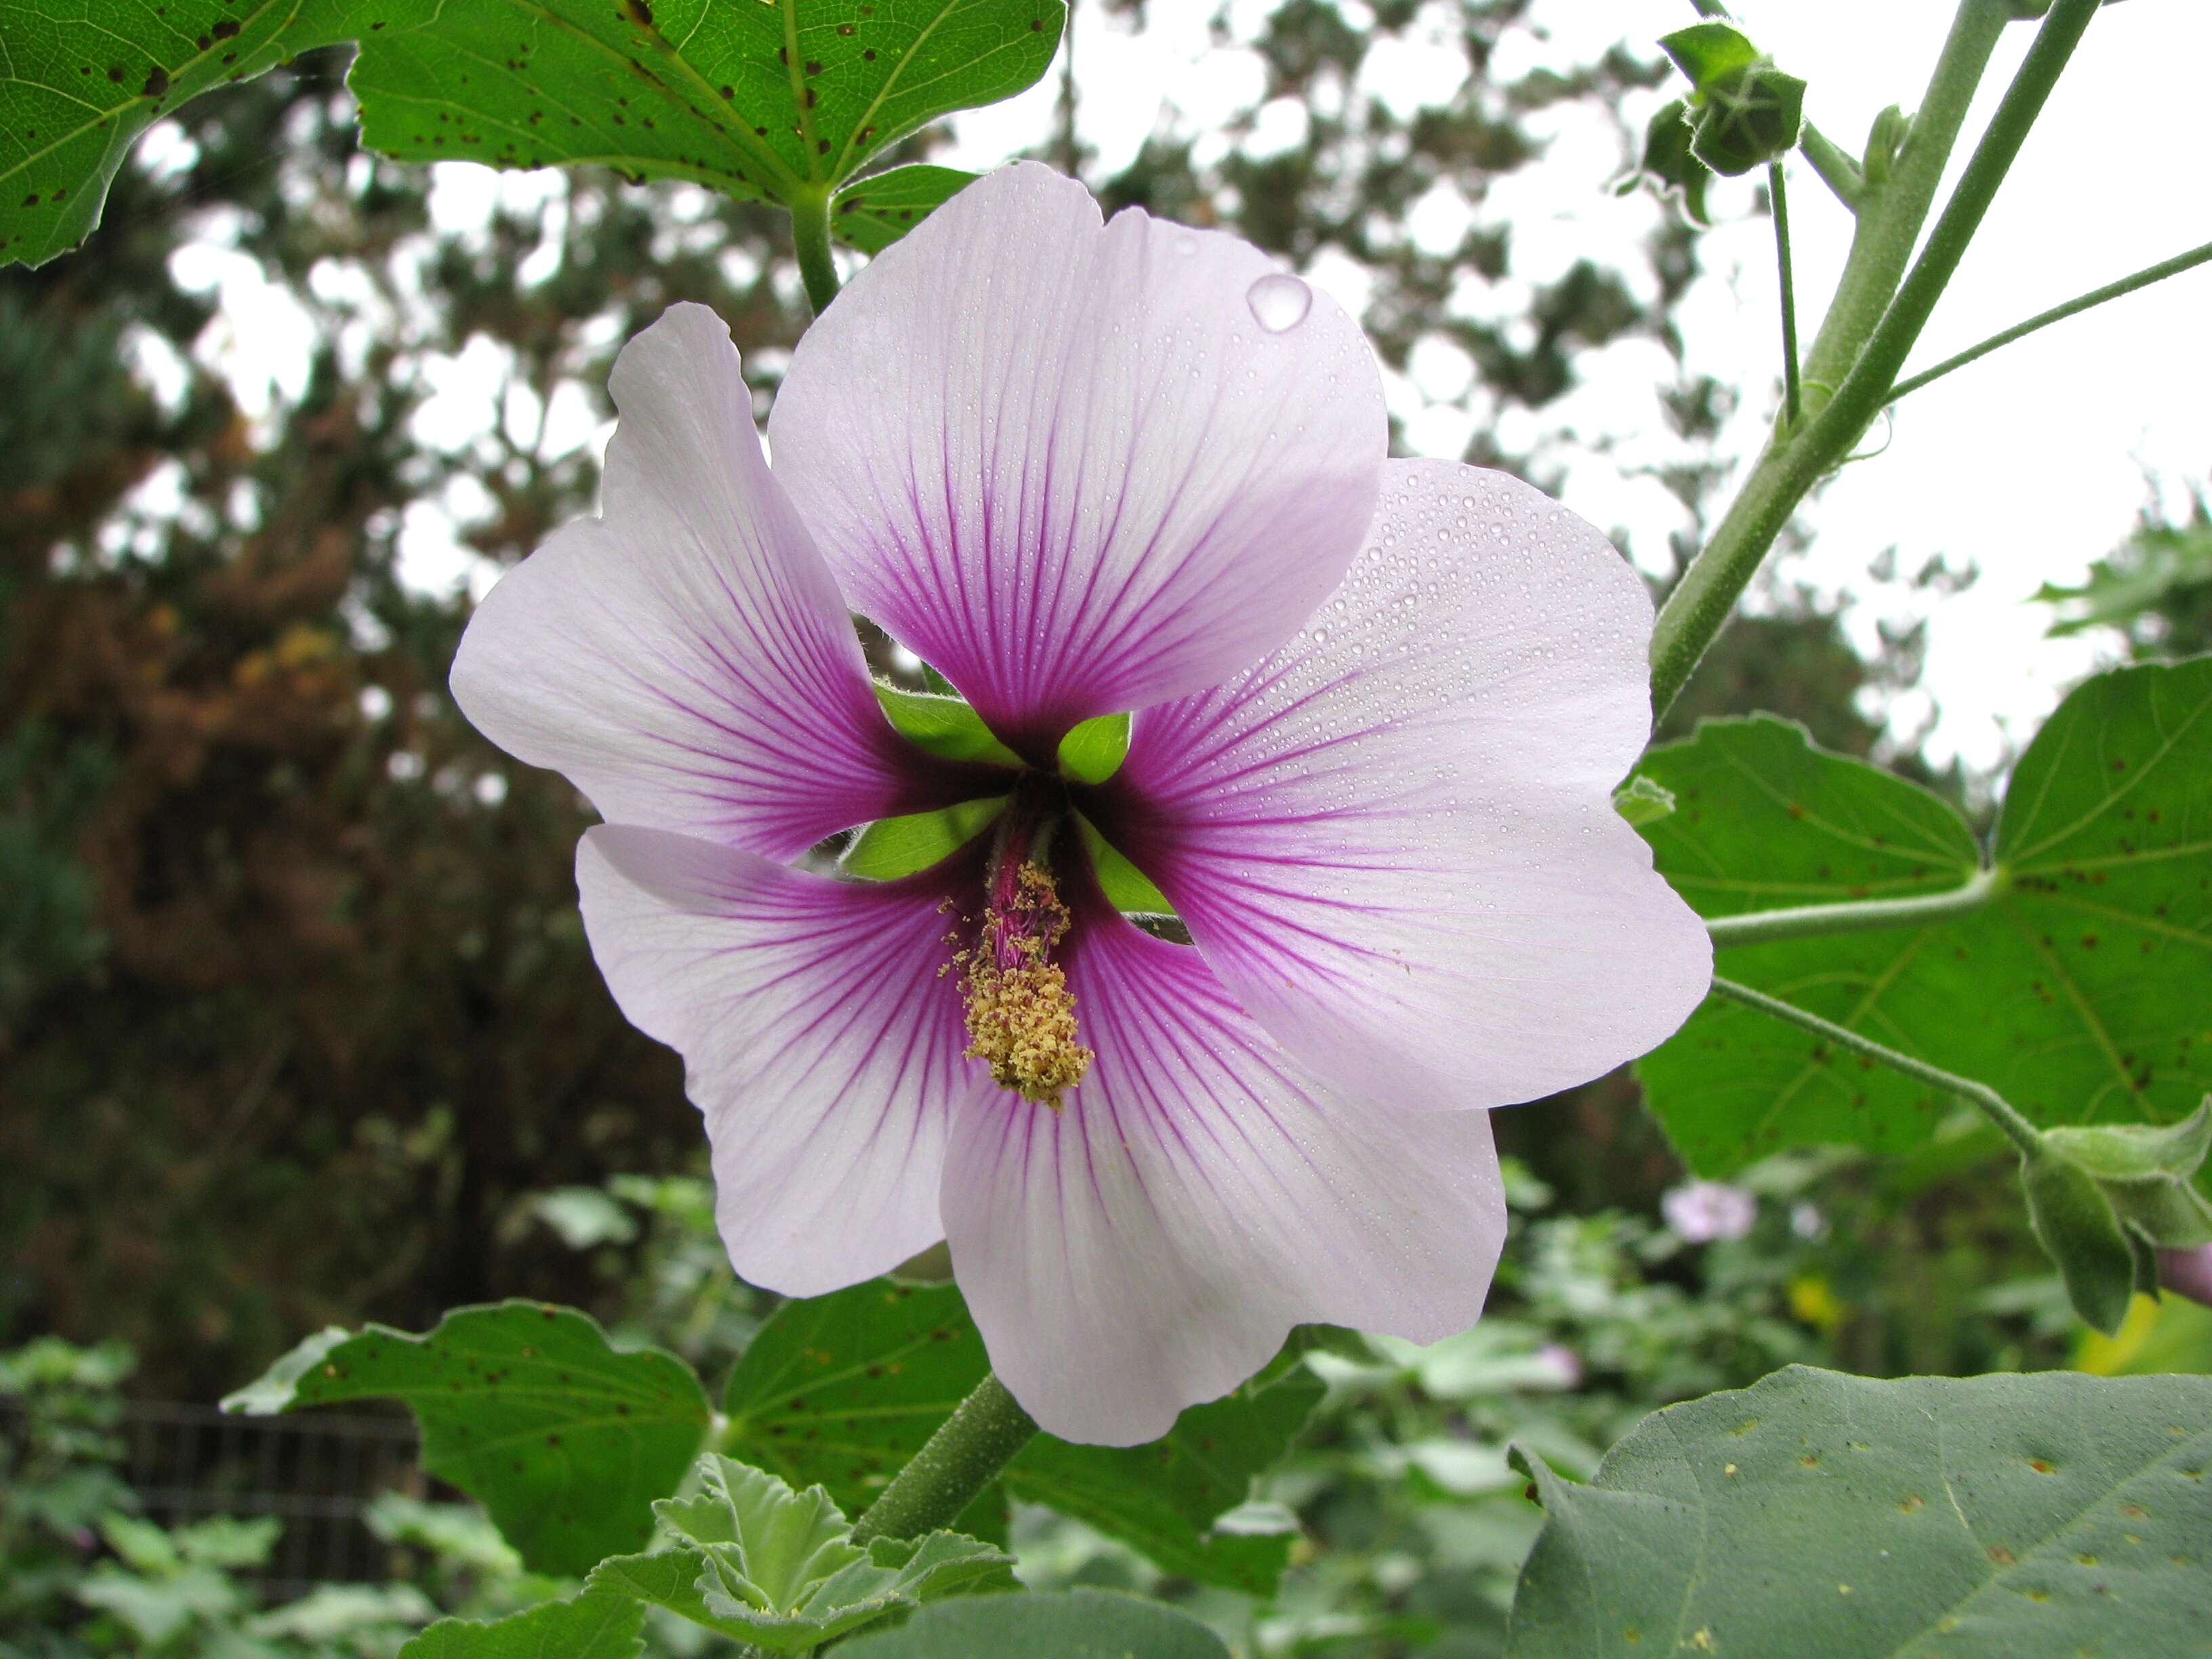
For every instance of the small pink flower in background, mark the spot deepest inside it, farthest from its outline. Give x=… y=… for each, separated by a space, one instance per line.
x=1703 y=1212
x=2187 y=1272
x=1380 y=706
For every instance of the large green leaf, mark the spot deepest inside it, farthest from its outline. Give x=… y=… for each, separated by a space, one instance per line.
x=2079 y=993
x=842 y=1389
x=1816 y=1513
x=593 y=1625
x=763 y=99
x=1078 y=1624
x=873 y=213
x=527 y=1407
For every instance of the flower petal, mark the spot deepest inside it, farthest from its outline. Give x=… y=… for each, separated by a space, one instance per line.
x=685 y=660
x=1067 y=463
x=818 y=1038
x=1394 y=840
x=1150 y=1244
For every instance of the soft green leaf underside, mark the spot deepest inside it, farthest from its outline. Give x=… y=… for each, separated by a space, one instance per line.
x=1078 y=1624
x=1925 y=1518
x=566 y=1441
x=2080 y=994
x=842 y=1389
x=892 y=848
x=761 y=100
x=593 y=1625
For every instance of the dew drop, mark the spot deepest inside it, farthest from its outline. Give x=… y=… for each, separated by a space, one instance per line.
x=1279 y=301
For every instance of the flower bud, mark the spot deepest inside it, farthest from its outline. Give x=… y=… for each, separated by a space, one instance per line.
x=1745 y=111
x=2147 y=1175
x=2075 y=1223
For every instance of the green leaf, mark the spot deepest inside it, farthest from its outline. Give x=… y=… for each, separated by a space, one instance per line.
x=842 y=1389
x=1093 y=751
x=528 y=1408
x=1706 y=51
x=1816 y=1513
x=943 y=725
x=1126 y=888
x=870 y=214
x=778 y=1569
x=1078 y=1624
x=1642 y=801
x=773 y=102
x=2074 y=1224
x=1667 y=160
x=2072 y=993
x=892 y=848
x=593 y=1625
x=160 y=1610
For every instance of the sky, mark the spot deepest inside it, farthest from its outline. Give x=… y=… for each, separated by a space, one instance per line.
x=2027 y=466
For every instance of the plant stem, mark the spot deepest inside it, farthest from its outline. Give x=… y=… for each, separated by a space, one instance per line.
x=1836 y=169
x=963 y=1457
x=1809 y=921
x=1698 y=608
x=2073 y=308
x=1893 y=211
x=810 y=232
x=1991 y=1105
x=1779 y=192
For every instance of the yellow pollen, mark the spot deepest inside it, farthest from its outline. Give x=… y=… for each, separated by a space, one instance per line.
x=1021 y=1015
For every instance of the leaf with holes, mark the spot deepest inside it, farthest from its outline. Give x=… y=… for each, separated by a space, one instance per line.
x=565 y=1440
x=2078 y=992
x=870 y=214
x=593 y=1625
x=1969 y=1518
x=842 y=1389
x=779 y=102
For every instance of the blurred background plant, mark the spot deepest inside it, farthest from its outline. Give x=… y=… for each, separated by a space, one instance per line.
x=297 y=1024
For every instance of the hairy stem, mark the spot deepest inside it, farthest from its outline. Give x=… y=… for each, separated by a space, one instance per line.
x=1780 y=196
x=952 y=1469
x=2059 y=313
x=810 y=232
x=1837 y=171
x=1698 y=608
x=1991 y=1105
x=1810 y=920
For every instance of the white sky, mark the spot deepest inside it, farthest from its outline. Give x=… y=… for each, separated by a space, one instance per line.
x=2028 y=464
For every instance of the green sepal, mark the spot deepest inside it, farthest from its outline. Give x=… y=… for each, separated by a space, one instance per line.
x=1706 y=51
x=1748 y=119
x=2130 y=1152
x=945 y=726
x=1093 y=751
x=892 y=848
x=2075 y=1223
x=1668 y=163
x=1641 y=801
x=1128 y=888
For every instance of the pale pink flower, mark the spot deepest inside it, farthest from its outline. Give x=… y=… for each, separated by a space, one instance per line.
x=1701 y=1212
x=2187 y=1272
x=1380 y=707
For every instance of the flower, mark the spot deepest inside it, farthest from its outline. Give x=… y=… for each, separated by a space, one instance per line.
x=1700 y=1211
x=2187 y=1272
x=1379 y=706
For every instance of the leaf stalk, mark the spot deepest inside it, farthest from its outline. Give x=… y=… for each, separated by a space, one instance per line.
x=952 y=1468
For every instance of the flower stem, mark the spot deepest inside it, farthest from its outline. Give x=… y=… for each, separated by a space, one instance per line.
x=810 y=232
x=1779 y=192
x=2073 y=308
x=1837 y=171
x=1838 y=414
x=1991 y=1105
x=952 y=1469
x=1809 y=920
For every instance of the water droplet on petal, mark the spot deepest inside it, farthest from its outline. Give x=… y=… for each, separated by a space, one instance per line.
x=1279 y=301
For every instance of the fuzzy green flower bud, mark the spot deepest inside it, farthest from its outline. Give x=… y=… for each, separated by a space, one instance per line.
x=2147 y=1175
x=1745 y=111
x=2075 y=1223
